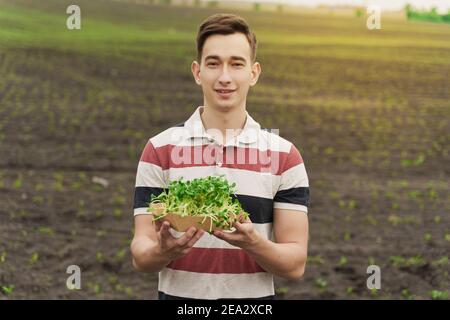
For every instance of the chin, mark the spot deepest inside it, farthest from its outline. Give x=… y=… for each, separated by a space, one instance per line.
x=225 y=106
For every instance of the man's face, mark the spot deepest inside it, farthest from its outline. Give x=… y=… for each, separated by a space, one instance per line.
x=226 y=71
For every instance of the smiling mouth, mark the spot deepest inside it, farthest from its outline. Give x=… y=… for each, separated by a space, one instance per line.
x=224 y=91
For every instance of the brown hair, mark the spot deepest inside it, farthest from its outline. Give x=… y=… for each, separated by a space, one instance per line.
x=223 y=23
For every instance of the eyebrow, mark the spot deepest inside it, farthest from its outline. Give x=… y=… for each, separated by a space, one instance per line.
x=216 y=57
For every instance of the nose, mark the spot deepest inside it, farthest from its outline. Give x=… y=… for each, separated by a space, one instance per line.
x=225 y=76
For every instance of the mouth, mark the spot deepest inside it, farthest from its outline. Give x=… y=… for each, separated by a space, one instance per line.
x=224 y=93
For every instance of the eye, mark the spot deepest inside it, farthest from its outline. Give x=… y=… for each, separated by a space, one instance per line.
x=212 y=64
x=238 y=64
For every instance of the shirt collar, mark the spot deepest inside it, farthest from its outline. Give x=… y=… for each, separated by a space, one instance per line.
x=195 y=128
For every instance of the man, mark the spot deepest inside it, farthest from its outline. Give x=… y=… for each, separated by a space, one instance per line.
x=272 y=184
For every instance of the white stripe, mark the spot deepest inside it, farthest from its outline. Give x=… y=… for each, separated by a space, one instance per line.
x=178 y=136
x=273 y=142
x=211 y=241
x=215 y=286
x=150 y=175
x=250 y=183
x=289 y=206
x=294 y=177
x=171 y=135
x=138 y=211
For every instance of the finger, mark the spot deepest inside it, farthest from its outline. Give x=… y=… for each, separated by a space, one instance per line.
x=158 y=224
x=238 y=226
x=196 y=237
x=224 y=236
x=186 y=251
x=243 y=227
x=241 y=218
x=184 y=239
x=165 y=234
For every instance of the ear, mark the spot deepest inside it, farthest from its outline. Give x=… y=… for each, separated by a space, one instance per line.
x=195 y=68
x=256 y=71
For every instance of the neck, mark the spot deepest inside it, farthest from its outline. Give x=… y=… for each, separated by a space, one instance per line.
x=222 y=120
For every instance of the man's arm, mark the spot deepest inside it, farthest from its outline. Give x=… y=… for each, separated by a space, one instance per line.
x=144 y=248
x=286 y=257
x=153 y=247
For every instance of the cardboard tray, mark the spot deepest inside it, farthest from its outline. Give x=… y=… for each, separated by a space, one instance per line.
x=181 y=224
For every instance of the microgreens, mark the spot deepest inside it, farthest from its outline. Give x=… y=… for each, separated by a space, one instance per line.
x=206 y=197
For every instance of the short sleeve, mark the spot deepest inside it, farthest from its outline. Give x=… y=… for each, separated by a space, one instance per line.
x=149 y=179
x=293 y=191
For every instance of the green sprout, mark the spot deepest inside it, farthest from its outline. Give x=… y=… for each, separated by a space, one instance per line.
x=282 y=290
x=438 y=295
x=8 y=289
x=207 y=197
x=321 y=283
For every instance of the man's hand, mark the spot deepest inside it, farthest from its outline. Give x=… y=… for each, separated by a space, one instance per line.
x=172 y=247
x=244 y=236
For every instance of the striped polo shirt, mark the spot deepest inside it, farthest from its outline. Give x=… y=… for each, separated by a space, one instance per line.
x=269 y=173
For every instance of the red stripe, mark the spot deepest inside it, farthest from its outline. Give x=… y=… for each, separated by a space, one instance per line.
x=149 y=154
x=252 y=159
x=293 y=159
x=214 y=260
